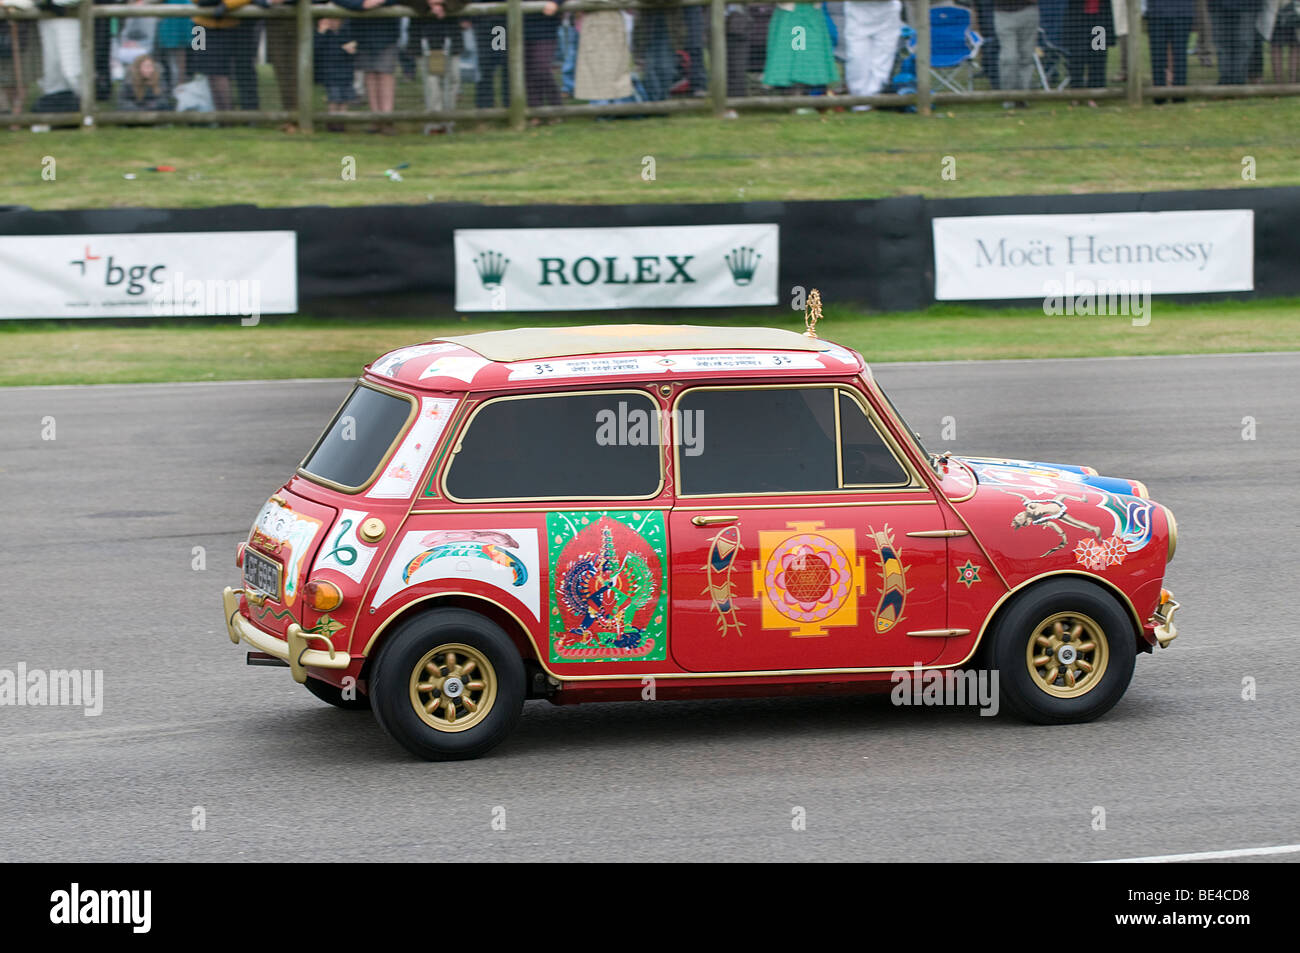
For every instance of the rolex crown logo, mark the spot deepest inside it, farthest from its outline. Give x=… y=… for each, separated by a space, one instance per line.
x=491 y=266
x=743 y=262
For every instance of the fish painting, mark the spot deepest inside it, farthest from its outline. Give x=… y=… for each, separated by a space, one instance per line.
x=723 y=549
x=893 y=586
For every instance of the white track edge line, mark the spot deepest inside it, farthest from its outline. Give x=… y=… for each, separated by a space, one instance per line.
x=1206 y=855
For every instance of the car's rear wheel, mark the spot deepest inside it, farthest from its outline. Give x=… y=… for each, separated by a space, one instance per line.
x=448 y=685
x=1064 y=652
x=352 y=700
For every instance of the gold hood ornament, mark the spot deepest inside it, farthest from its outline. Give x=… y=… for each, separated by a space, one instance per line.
x=812 y=313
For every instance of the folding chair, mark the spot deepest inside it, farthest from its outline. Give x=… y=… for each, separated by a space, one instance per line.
x=1051 y=63
x=954 y=44
x=903 y=82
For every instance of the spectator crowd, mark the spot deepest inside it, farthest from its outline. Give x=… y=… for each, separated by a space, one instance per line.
x=213 y=61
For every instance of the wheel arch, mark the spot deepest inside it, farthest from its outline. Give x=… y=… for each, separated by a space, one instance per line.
x=1001 y=607
x=510 y=623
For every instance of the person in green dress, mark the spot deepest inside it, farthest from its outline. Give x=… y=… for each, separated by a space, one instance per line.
x=799 y=47
x=173 y=39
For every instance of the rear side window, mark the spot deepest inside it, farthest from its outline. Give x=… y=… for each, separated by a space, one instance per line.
x=359 y=438
x=561 y=446
x=782 y=440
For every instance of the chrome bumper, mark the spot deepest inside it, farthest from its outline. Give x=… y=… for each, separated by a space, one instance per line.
x=1163 y=617
x=292 y=649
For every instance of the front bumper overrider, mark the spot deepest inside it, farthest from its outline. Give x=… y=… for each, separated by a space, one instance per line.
x=1165 y=631
x=294 y=648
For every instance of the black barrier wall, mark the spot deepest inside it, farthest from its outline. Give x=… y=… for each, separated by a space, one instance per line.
x=384 y=260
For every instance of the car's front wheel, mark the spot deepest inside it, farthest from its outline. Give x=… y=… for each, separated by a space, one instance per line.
x=1064 y=651
x=448 y=685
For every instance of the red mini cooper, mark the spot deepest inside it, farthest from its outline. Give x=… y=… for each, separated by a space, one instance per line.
x=626 y=512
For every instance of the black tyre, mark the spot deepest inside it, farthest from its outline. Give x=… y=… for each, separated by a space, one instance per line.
x=448 y=685
x=1064 y=652
x=334 y=695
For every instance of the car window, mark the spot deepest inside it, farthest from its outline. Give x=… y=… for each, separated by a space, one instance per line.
x=359 y=438
x=561 y=446
x=760 y=440
x=866 y=459
x=779 y=440
x=916 y=436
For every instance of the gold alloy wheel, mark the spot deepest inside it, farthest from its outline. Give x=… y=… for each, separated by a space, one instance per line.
x=453 y=687
x=1067 y=655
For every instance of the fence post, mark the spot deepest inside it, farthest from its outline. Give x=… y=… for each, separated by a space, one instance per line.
x=922 y=27
x=718 y=55
x=86 y=18
x=306 y=35
x=515 y=64
x=1133 y=75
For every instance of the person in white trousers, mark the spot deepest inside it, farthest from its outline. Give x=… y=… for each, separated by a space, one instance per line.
x=60 y=52
x=871 y=33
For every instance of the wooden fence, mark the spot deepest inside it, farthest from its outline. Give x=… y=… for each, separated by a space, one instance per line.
x=1135 y=92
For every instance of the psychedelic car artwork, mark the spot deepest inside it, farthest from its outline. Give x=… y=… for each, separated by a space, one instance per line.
x=808 y=580
x=391 y=364
x=504 y=559
x=893 y=585
x=1051 y=514
x=608 y=599
x=1032 y=474
x=344 y=551
x=812 y=545
x=399 y=476
x=1130 y=534
x=724 y=548
x=492 y=545
x=289 y=536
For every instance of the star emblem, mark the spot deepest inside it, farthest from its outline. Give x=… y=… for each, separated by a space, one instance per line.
x=968 y=574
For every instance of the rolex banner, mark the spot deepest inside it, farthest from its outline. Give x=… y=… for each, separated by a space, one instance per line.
x=584 y=269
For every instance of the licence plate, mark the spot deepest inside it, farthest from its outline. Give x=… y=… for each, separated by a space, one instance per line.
x=261 y=574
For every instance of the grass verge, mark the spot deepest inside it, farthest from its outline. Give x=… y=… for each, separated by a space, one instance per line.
x=63 y=353
x=1048 y=149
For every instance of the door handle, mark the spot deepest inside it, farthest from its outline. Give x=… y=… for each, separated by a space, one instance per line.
x=712 y=520
x=938 y=533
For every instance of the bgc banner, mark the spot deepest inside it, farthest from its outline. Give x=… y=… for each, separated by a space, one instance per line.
x=1023 y=256
x=582 y=269
x=149 y=274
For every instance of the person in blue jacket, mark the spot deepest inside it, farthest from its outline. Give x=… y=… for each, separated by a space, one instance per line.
x=1169 y=26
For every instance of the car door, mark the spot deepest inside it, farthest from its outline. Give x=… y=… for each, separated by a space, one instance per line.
x=558 y=516
x=801 y=537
